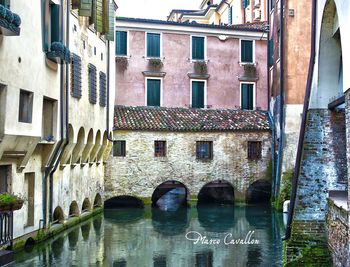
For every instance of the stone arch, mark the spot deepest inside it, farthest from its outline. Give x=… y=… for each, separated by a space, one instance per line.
x=123 y=201
x=217 y=192
x=67 y=152
x=73 y=209
x=259 y=192
x=58 y=215
x=86 y=205
x=170 y=195
x=103 y=147
x=88 y=147
x=76 y=155
x=330 y=74
x=98 y=200
x=95 y=149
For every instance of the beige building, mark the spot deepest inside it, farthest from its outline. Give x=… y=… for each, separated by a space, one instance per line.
x=223 y=12
x=56 y=108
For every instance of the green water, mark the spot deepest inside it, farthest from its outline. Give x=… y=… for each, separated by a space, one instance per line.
x=202 y=237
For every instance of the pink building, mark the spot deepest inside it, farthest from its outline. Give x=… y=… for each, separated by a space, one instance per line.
x=170 y=64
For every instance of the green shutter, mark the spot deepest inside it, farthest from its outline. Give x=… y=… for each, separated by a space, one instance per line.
x=111 y=19
x=153 y=45
x=85 y=8
x=247 y=51
x=245 y=3
x=197 y=94
x=99 y=16
x=105 y=16
x=271 y=52
x=153 y=93
x=45 y=8
x=247 y=96
x=92 y=18
x=198 y=48
x=121 y=43
x=55 y=23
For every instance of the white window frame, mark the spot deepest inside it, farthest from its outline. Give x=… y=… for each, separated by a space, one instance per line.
x=161 y=45
x=161 y=89
x=254 y=93
x=240 y=52
x=205 y=48
x=127 y=42
x=205 y=91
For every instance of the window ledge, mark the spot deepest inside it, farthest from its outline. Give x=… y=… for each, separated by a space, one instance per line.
x=198 y=60
x=44 y=142
x=154 y=73
x=248 y=79
x=155 y=58
x=198 y=76
x=247 y=63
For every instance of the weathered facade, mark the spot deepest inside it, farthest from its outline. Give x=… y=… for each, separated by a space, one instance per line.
x=53 y=118
x=139 y=171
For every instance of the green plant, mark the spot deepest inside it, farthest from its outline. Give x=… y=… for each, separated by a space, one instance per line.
x=122 y=63
x=155 y=63
x=200 y=67
x=8 y=199
x=249 y=70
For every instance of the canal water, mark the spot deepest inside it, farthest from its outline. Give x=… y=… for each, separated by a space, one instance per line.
x=210 y=236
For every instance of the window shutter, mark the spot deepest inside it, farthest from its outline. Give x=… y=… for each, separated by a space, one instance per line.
x=230 y=15
x=99 y=16
x=55 y=23
x=111 y=19
x=121 y=43
x=105 y=16
x=197 y=94
x=76 y=76
x=153 y=93
x=102 y=89
x=153 y=45
x=271 y=52
x=198 y=48
x=247 y=96
x=45 y=6
x=247 y=51
x=92 y=84
x=245 y=3
x=92 y=18
x=85 y=8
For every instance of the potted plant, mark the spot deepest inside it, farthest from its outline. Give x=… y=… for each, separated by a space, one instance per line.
x=200 y=67
x=155 y=63
x=122 y=63
x=249 y=70
x=9 y=22
x=58 y=52
x=10 y=202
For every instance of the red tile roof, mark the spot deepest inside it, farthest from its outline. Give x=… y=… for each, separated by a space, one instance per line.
x=185 y=119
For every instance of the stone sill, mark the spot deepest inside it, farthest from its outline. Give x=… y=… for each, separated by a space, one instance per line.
x=154 y=73
x=198 y=76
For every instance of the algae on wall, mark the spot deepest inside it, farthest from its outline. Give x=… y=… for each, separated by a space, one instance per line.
x=286 y=187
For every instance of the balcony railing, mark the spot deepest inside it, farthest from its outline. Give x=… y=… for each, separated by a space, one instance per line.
x=6 y=228
x=9 y=22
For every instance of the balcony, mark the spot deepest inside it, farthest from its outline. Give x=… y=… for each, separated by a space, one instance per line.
x=58 y=53
x=249 y=72
x=9 y=22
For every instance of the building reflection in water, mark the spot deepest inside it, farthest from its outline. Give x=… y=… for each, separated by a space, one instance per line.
x=73 y=237
x=159 y=261
x=204 y=259
x=85 y=230
x=119 y=263
x=209 y=216
x=170 y=222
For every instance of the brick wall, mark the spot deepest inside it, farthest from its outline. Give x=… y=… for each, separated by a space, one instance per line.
x=139 y=173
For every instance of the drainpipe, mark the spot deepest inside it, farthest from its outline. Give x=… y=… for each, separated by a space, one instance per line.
x=272 y=125
x=303 y=123
x=109 y=138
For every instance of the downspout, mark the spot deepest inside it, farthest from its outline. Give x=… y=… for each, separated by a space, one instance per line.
x=109 y=138
x=272 y=125
x=281 y=119
x=303 y=123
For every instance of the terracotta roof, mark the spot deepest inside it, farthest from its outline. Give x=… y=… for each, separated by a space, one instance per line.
x=185 y=119
x=254 y=27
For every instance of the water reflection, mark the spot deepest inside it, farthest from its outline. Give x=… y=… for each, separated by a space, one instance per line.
x=151 y=237
x=209 y=216
x=170 y=222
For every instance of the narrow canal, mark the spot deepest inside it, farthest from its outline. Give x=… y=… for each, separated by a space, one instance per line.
x=204 y=237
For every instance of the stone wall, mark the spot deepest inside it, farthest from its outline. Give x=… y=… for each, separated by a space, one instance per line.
x=338 y=238
x=139 y=173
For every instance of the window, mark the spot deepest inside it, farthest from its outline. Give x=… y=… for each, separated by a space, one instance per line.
x=153 y=45
x=271 y=52
x=92 y=84
x=30 y=185
x=153 y=92
x=204 y=150
x=121 y=43
x=25 y=106
x=247 y=51
x=198 y=94
x=198 y=48
x=103 y=89
x=52 y=30
x=254 y=150
x=160 y=148
x=247 y=96
x=49 y=116
x=75 y=76
x=230 y=15
x=5 y=173
x=119 y=148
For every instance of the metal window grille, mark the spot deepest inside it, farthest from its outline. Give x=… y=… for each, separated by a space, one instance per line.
x=92 y=84
x=75 y=76
x=159 y=148
x=103 y=89
x=204 y=149
x=254 y=150
x=119 y=148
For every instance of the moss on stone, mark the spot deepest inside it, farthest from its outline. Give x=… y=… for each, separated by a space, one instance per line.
x=286 y=188
x=268 y=174
x=146 y=200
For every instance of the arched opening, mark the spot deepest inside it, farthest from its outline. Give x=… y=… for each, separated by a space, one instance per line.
x=122 y=216
x=103 y=147
x=218 y=192
x=88 y=146
x=170 y=195
x=29 y=245
x=77 y=151
x=259 y=192
x=123 y=202
x=330 y=67
x=73 y=209
x=96 y=147
x=86 y=205
x=58 y=215
x=98 y=201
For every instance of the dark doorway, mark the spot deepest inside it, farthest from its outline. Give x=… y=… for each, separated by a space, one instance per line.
x=217 y=192
x=259 y=192
x=170 y=195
